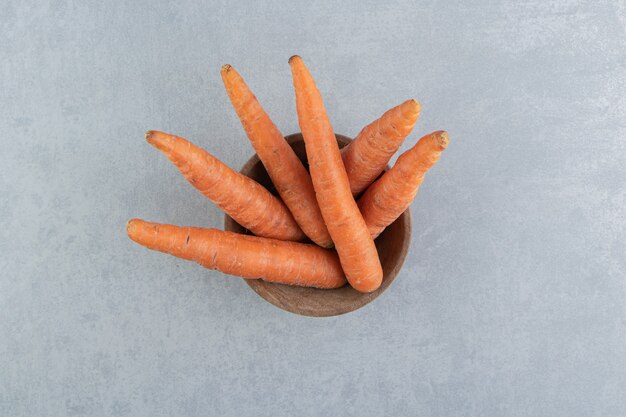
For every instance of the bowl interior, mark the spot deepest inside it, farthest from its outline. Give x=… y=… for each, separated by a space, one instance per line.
x=392 y=246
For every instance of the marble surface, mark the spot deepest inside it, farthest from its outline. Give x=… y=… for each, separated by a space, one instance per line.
x=512 y=301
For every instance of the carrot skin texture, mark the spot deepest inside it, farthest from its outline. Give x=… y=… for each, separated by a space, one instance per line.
x=290 y=177
x=385 y=200
x=242 y=198
x=347 y=228
x=249 y=257
x=368 y=154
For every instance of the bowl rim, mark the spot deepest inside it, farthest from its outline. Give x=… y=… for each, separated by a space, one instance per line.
x=260 y=287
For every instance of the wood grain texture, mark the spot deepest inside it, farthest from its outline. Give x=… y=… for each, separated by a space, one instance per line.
x=392 y=246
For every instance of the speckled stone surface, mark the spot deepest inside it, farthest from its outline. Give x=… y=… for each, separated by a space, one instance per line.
x=512 y=301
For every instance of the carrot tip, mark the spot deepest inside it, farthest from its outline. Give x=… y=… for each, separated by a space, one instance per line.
x=294 y=58
x=161 y=141
x=226 y=68
x=130 y=227
x=411 y=108
x=442 y=140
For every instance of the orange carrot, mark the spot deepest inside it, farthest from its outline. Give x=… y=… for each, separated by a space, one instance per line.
x=353 y=242
x=246 y=256
x=289 y=176
x=242 y=198
x=386 y=199
x=367 y=155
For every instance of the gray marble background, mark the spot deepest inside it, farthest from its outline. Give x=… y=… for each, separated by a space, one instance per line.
x=512 y=301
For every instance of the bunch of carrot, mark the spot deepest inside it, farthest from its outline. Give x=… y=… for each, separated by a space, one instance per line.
x=341 y=204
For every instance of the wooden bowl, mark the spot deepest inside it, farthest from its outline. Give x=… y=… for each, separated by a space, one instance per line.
x=392 y=246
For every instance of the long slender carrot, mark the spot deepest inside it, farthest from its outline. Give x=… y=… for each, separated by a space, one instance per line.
x=242 y=198
x=367 y=155
x=386 y=199
x=291 y=179
x=246 y=256
x=347 y=228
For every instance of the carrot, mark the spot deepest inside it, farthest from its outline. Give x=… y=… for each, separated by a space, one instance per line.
x=366 y=157
x=386 y=199
x=246 y=256
x=242 y=198
x=291 y=179
x=347 y=228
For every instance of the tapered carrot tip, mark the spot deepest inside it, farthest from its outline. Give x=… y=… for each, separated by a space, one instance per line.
x=229 y=74
x=131 y=227
x=161 y=141
x=294 y=58
x=411 y=108
x=442 y=140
